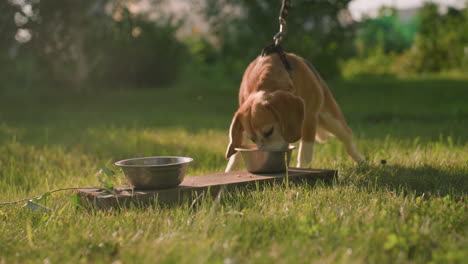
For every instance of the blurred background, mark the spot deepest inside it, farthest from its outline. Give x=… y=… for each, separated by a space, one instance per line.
x=85 y=83
x=77 y=46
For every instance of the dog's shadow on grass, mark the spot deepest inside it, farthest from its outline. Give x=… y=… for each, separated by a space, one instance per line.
x=426 y=179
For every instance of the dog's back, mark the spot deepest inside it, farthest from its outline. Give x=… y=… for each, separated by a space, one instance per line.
x=265 y=73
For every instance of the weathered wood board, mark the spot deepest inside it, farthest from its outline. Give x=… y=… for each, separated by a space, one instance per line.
x=194 y=186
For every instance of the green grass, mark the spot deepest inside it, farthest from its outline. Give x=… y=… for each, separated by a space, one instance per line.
x=413 y=209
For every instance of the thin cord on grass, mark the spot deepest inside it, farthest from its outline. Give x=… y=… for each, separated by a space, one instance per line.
x=38 y=196
x=286 y=156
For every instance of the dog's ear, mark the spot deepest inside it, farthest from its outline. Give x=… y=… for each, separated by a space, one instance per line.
x=235 y=135
x=289 y=110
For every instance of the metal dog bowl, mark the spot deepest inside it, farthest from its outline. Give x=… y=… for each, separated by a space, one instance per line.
x=265 y=161
x=154 y=172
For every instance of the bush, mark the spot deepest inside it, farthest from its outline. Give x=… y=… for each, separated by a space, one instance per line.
x=377 y=63
x=142 y=53
x=77 y=44
x=441 y=41
x=318 y=30
x=440 y=46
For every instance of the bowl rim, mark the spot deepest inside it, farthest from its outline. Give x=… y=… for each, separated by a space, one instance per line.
x=260 y=150
x=187 y=160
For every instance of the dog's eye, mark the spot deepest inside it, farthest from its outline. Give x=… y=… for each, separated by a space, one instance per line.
x=268 y=133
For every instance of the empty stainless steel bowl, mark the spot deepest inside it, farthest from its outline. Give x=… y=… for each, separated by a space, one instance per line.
x=265 y=161
x=154 y=172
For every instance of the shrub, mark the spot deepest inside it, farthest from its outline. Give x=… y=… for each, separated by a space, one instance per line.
x=142 y=53
x=377 y=63
x=75 y=43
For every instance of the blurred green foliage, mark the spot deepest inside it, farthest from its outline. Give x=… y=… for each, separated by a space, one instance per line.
x=387 y=32
x=143 y=53
x=319 y=30
x=442 y=40
x=375 y=63
x=385 y=48
x=82 y=45
x=77 y=45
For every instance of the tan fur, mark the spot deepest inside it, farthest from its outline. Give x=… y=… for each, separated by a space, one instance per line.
x=294 y=105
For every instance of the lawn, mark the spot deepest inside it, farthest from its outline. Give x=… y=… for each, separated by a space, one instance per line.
x=411 y=209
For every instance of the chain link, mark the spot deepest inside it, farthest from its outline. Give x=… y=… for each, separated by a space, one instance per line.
x=286 y=4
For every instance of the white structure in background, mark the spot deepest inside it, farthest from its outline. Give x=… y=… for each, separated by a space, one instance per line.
x=361 y=8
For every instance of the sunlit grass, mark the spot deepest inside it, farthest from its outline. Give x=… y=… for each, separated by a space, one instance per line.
x=412 y=209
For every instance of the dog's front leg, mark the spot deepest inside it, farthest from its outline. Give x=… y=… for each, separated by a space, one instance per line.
x=306 y=152
x=306 y=147
x=234 y=162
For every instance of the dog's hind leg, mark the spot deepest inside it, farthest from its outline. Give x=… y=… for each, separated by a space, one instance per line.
x=341 y=131
x=322 y=135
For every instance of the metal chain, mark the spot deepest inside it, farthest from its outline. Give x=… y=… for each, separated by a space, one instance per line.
x=282 y=21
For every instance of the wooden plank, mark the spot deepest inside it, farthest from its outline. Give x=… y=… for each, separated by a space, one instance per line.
x=193 y=186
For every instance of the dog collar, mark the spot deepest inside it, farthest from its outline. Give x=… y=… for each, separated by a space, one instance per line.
x=277 y=49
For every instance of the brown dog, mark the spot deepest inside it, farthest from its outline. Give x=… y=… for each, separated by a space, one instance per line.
x=278 y=107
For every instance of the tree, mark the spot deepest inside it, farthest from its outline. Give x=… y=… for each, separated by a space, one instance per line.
x=319 y=30
x=386 y=32
x=71 y=43
x=441 y=40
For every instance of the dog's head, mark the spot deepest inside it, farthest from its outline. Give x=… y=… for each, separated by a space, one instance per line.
x=270 y=120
